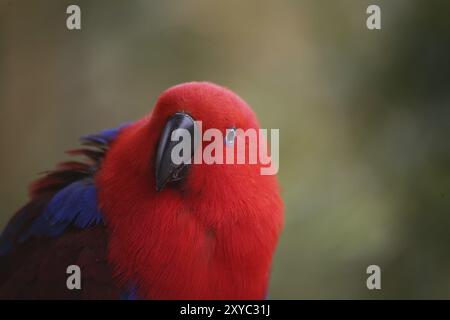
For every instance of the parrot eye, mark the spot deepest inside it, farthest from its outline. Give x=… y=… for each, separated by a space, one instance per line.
x=230 y=136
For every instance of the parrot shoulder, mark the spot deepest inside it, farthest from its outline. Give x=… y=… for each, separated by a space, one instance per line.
x=60 y=226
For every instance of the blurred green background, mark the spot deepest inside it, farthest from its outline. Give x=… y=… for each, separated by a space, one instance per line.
x=364 y=117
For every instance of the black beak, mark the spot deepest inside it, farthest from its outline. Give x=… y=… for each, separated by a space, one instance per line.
x=165 y=169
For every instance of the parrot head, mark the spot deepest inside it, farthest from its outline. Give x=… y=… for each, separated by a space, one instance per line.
x=189 y=230
x=197 y=108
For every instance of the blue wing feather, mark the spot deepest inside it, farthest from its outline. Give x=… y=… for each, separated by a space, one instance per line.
x=73 y=204
x=130 y=294
x=65 y=197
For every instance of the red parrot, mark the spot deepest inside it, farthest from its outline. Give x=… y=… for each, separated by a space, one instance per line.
x=140 y=226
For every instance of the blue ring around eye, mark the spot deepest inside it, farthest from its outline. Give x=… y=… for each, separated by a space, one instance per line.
x=230 y=136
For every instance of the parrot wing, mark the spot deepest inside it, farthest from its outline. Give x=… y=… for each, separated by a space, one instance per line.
x=60 y=226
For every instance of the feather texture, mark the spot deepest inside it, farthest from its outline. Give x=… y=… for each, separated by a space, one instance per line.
x=59 y=226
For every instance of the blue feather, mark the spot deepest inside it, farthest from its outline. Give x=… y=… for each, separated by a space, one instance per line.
x=130 y=294
x=74 y=205
x=105 y=136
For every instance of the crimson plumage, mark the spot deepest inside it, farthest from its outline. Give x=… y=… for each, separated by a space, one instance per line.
x=210 y=236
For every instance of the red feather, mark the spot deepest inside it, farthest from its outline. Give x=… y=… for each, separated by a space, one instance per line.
x=211 y=238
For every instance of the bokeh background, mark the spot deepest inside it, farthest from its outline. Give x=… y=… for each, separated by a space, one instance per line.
x=364 y=117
